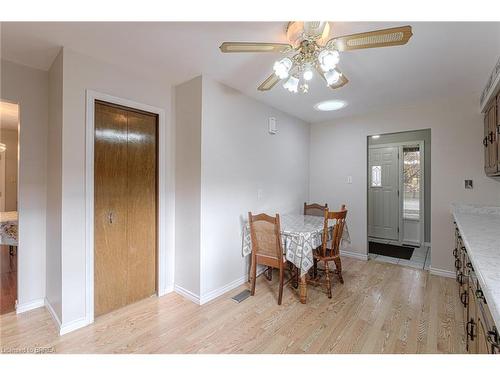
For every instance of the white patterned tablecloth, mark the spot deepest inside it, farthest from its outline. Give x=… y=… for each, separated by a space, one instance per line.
x=300 y=235
x=8 y=228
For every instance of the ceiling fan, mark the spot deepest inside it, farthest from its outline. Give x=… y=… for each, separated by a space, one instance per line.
x=310 y=49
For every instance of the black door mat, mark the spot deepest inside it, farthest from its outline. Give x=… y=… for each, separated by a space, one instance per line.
x=401 y=252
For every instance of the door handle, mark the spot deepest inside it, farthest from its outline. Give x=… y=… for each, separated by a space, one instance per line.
x=110 y=218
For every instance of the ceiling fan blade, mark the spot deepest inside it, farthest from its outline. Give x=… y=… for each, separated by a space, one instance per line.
x=254 y=47
x=395 y=36
x=341 y=82
x=269 y=83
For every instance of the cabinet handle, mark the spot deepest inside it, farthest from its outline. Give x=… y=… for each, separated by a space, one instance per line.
x=470 y=332
x=485 y=141
x=492 y=338
x=460 y=278
x=490 y=137
x=480 y=295
x=457 y=263
x=455 y=252
x=463 y=298
x=110 y=218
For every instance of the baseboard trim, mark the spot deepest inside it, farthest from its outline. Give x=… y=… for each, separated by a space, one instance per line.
x=53 y=314
x=224 y=289
x=27 y=306
x=352 y=254
x=73 y=326
x=168 y=289
x=187 y=294
x=441 y=272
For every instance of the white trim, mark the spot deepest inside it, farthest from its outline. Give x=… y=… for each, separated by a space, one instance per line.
x=428 y=244
x=224 y=289
x=73 y=326
x=353 y=254
x=186 y=293
x=440 y=272
x=27 y=306
x=163 y=229
x=53 y=314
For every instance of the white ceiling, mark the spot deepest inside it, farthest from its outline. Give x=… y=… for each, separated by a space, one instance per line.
x=440 y=59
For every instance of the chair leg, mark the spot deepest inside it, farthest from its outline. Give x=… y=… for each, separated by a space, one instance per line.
x=338 y=265
x=315 y=268
x=253 y=276
x=280 y=296
x=328 y=282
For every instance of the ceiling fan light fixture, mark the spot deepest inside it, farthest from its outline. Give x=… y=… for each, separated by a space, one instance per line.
x=282 y=67
x=292 y=84
x=328 y=59
x=332 y=77
x=308 y=73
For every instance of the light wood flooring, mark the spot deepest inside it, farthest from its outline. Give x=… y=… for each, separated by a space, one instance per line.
x=381 y=308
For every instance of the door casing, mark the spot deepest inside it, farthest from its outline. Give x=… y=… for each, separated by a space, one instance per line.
x=164 y=233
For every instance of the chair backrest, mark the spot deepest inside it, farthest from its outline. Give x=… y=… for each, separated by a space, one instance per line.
x=265 y=235
x=339 y=222
x=315 y=209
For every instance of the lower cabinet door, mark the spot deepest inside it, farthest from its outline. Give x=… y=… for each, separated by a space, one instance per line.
x=471 y=325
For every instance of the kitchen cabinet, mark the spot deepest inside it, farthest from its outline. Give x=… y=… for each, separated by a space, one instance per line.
x=481 y=333
x=491 y=143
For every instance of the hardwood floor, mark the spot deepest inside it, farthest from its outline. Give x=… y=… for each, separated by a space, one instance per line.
x=381 y=308
x=8 y=280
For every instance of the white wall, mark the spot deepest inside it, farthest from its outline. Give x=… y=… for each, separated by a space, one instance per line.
x=54 y=188
x=338 y=149
x=188 y=185
x=80 y=73
x=29 y=88
x=238 y=158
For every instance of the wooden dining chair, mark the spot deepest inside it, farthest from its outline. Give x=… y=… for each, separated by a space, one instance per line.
x=315 y=209
x=267 y=250
x=330 y=249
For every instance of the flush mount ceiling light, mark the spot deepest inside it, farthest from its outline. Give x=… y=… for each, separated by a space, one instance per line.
x=310 y=53
x=330 y=105
x=375 y=136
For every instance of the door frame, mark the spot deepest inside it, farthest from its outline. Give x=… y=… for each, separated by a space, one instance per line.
x=400 y=146
x=162 y=272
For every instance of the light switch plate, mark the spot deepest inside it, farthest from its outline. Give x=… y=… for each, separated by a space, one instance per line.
x=349 y=179
x=273 y=129
x=468 y=184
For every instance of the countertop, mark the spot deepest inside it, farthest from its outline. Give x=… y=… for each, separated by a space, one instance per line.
x=480 y=230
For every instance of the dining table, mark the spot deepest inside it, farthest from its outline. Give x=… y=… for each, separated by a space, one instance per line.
x=300 y=235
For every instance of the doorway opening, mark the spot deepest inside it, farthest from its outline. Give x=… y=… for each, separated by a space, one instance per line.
x=9 y=165
x=399 y=198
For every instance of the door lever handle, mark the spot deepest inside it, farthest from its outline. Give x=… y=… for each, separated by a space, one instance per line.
x=110 y=218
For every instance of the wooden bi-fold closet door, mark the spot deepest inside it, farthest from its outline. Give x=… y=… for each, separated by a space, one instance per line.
x=125 y=199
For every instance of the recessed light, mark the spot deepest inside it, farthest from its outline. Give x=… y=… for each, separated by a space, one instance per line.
x=375 y=136
x=330 y=105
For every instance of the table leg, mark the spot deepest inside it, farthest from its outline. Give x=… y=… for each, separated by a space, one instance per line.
x=303 y=289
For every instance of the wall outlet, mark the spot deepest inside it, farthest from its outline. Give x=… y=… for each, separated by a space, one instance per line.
x=349 y=179
x=468 y=184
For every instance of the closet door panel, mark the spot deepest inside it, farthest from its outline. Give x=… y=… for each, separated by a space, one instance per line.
x=141 y=192
x=110 y=209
